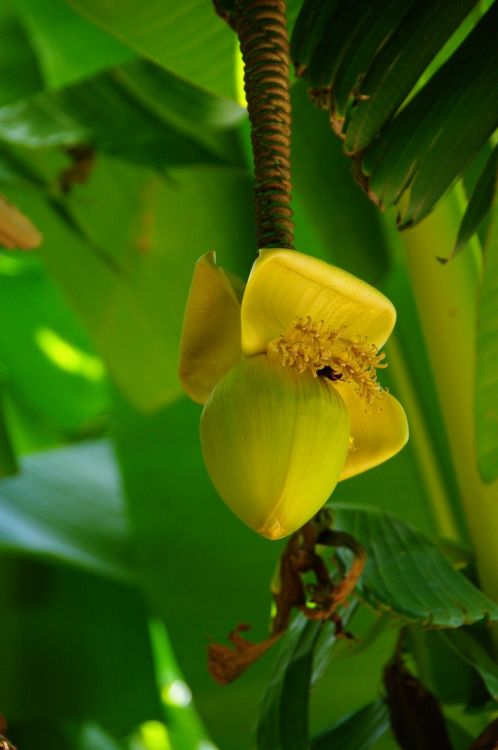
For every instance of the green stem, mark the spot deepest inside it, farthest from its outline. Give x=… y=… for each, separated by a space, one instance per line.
x=421 y=443
x=447 y=303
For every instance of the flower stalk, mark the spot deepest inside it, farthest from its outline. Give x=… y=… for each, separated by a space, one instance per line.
x=447 y=302
x=262 y=31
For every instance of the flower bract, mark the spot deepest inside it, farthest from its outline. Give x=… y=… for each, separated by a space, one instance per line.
x=287 y=369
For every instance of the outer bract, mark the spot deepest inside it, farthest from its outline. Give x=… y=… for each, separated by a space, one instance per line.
x=274 y=443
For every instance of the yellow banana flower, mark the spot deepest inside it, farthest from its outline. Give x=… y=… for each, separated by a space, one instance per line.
x=287 y=370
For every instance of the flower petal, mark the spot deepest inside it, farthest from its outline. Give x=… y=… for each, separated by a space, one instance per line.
x=378 y=430
x=285 y=285
x=210 y=343
x=274 y=443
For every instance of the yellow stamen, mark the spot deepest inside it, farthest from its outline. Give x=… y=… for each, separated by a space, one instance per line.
x=310 y=346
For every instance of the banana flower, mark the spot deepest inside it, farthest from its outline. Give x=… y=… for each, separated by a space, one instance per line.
x=287 y=372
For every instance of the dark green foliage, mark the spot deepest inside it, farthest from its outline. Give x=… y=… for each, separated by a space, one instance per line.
x=358 y=731
x=408 y=575
x=361 y=62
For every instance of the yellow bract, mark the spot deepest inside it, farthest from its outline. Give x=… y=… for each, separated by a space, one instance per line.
x=289 y=373
x=285 y=285
x=274 y=444
x=210 y=343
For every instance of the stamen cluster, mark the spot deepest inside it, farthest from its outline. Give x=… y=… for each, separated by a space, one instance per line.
x=310 y=346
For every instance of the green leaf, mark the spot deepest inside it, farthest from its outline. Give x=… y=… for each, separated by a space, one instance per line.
x=19 y=73
x=419 y=35
x=73 y=646
x=136 y=247
x=188 y=39
x=473 y=653
x=441 y=668
x=348 y=228
x=69 y=48
x=51 y=372
x=283 y=721
x=406 y=574
x=363 y=64
x=208 y=120
x=92 y=737
x=358 y=731
x=305 y=653
x=202 y=570
x=486 y=414
x=66 y=506
x=105 y=112
x=8 y=462
x=434 y=139
x=480 y=202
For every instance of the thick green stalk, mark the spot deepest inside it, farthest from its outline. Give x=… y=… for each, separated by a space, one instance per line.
x=435 y=488
x=446 y=297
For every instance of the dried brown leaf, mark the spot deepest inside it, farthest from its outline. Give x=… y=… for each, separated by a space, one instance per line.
x=16 y=230
x=225 y=663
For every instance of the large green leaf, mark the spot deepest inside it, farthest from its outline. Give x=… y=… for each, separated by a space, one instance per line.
x=51 y=373
x=73 y=647
x=348 y=226
x=358 y=731
x=19 y=73
x=66 y=506
x=203 y=571
x=187 y=38
x=8 y=462
x=487 y=359
x=69 y=48
x=419 y=35
x=362 y=62
x=406 y=574
x=135 y=250
x=118 y=112
x=434 y=139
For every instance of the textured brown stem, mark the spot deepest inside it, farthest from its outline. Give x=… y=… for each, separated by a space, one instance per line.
x=262 y=31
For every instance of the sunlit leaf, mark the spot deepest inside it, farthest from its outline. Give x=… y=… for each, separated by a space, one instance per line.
x=188 y=38
x=51 y=372
x=139 y=261
x=69 y=48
